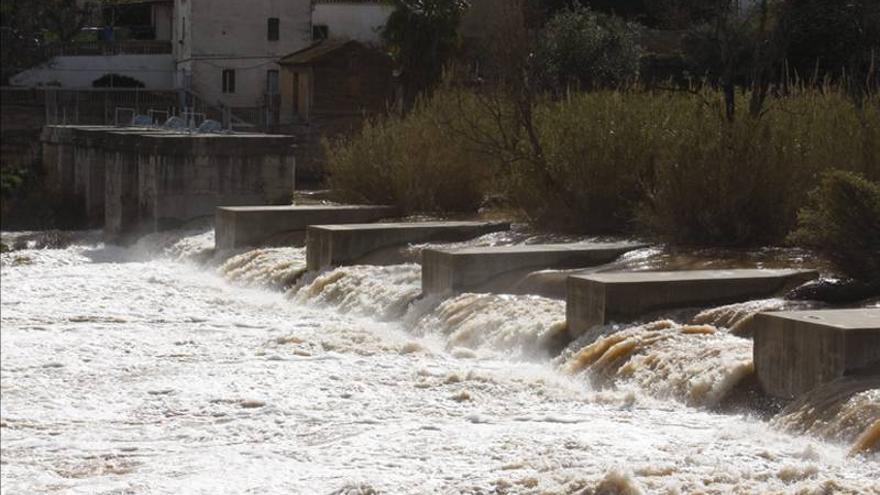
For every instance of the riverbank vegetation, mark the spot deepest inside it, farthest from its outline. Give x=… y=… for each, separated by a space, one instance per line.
x=726 y=159
x=618 y=161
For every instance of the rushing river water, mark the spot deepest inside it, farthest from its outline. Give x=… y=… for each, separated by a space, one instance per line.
x=156 y=369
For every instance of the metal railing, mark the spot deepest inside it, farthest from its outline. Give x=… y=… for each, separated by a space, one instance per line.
x=129 y=47
x=88 y=106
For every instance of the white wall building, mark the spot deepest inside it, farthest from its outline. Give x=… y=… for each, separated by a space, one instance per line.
x=226 y=51
x=359 y=20
x=155 y=72
x=147 y=59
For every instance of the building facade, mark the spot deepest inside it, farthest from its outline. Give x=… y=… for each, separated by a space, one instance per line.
x=131 y=40
x=226 y=52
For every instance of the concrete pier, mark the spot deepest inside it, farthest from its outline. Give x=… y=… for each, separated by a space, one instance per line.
x=240 y=226
x=138 y=179
x=471 y=268
x=73 y=161
x=600 y=298
x=334 y=245
x=796 y=351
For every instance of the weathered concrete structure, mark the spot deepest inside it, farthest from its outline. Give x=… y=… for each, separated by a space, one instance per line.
x=795 y=351
x=334 y=245
x=74 y=165
x=238 y=226
x=144 y=179
x=600 y=298
x=470 y=268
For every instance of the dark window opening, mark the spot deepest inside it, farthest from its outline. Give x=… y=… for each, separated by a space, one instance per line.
x=117 y=81
x=228 y=81
x=320 y=32
x=274 y=26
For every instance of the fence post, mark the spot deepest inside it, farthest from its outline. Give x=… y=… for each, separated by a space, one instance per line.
x=46 y=105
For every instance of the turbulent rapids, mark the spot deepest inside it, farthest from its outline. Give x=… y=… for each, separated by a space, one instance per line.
x=168 y=367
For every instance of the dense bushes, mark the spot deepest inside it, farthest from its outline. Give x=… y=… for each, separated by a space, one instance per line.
x=668 y=163
x=842 y=220
x=740 y=183
x=414 y=162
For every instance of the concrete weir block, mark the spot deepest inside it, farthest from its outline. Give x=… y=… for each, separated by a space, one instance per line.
x=241 y=226
x=600 y=298
x=795 y=351
x=469 y=268
x=334 y=245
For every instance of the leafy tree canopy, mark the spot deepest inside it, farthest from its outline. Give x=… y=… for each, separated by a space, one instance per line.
x=585 y=49
x=422 y=36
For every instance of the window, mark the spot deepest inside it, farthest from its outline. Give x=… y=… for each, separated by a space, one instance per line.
x=272 y=82
x=273 y=29
x=320 y=32
x=228 y=81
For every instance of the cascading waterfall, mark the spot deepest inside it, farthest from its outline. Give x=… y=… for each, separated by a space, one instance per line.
x=192 y=244
x=381 y=291
x=276 y=268
x=736 y=317
x=522 y=325
x=700 y=364
x=846 y=410
x=697 y=364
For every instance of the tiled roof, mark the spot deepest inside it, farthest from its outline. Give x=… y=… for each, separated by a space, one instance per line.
x=314 y=52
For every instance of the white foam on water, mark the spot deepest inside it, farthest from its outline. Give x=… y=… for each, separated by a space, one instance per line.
x=846 y=410
x=122 y=374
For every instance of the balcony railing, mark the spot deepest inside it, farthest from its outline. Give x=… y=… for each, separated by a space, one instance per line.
x=129 y=47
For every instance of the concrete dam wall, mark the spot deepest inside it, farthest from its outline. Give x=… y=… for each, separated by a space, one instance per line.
x=136 y=180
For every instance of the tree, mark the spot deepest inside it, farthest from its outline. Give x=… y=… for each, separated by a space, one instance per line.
x=28 y=25
x=583 y=49
x=834 y=39
x=422 y=37
x=739 y=47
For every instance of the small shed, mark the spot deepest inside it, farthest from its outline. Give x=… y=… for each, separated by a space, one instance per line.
x=335 y=79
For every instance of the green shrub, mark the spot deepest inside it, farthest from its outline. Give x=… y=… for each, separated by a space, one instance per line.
x=11 y=180
x=842 y=221
x=415 y=162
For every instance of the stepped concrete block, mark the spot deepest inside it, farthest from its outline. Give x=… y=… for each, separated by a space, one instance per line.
x=600 y=298
x=467 y=269
x=796 y=351
x=240 y=226
x=334 y=245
